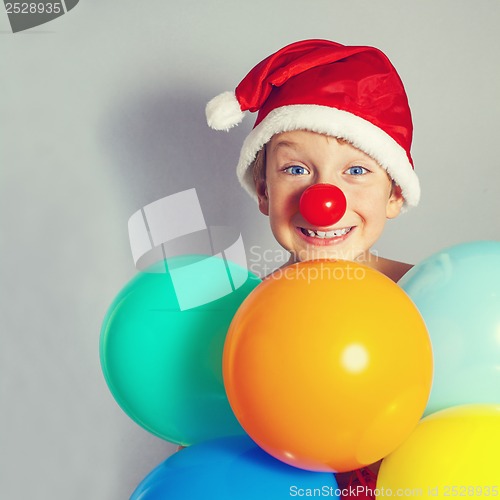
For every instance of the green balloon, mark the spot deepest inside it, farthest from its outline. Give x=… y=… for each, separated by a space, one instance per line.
x=161 y=346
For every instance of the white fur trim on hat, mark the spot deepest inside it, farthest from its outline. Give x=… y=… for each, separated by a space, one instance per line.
x=223 y=111
x=337 y=123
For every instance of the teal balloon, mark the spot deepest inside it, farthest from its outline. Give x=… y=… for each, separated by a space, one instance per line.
x=457 y=291
x=161 y=346
x=231 y=468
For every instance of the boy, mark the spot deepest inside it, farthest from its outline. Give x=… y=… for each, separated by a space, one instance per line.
x=332 y=114
x=328 y=115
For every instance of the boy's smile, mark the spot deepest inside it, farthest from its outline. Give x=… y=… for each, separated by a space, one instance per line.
x=299 y=159
x=325 y=236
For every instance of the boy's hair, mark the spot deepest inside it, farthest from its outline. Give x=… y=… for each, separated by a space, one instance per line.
x=258 y=166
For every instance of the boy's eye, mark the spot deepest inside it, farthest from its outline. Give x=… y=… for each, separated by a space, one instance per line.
x=356 y=170
x=296 y=170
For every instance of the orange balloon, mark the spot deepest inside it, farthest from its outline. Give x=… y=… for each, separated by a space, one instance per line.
x=328 y=365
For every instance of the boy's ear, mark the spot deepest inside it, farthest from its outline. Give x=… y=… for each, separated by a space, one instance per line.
x=395 y=203
x=262 y=196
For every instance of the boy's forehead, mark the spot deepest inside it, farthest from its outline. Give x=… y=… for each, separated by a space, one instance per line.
x=302 y=138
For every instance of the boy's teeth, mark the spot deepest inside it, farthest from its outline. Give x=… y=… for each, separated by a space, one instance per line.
x=328 y=234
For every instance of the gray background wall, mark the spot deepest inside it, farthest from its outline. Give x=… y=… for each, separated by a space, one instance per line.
x=102 y=112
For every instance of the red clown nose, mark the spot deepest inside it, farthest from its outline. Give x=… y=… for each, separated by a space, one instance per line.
x=322 y=204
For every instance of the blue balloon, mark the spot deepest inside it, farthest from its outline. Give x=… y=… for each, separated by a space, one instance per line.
x=231 y=468
x=457 y=291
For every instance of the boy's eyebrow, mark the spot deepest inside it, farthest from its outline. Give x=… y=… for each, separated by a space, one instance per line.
x=286 y=144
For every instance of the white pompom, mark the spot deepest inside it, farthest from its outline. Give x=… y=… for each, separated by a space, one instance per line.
x=223 y=111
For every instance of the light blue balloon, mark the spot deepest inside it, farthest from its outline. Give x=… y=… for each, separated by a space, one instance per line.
x=231 y=468
x=457 y=291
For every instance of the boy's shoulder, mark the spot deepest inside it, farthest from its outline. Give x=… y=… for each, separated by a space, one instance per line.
x=393 y=269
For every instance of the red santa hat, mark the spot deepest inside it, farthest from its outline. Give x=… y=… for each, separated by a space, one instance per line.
x=350 y=92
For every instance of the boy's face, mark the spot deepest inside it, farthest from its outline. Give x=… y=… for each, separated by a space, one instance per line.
x=296 y=160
